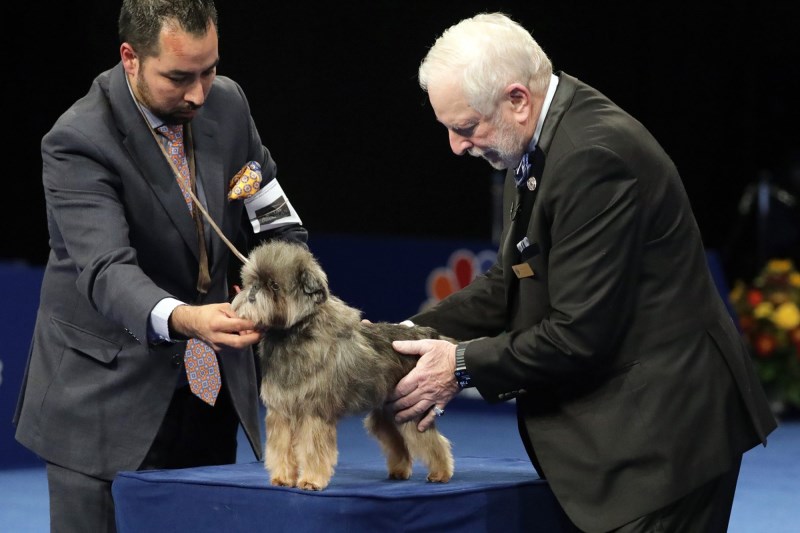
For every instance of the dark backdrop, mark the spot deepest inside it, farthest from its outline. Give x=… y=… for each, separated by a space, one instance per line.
x=333 y=89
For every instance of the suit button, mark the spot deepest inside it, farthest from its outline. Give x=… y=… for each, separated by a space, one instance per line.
x=177 y=360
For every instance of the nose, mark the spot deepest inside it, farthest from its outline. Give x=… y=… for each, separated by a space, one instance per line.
x=458 y=143
x=195 y=94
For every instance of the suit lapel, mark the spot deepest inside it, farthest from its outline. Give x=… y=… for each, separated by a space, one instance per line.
x=509 y=251
x=208 y=161
x=146 y=154
x=562 y=99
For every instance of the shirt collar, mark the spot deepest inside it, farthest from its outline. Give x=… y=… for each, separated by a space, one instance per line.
x=151 y=119
x=524 y=166
x=548 y=99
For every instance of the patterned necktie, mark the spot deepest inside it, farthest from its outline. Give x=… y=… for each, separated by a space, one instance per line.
x=176 y=152
x=202 y=369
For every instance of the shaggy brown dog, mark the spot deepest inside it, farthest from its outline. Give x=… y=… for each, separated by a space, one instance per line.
x=320 y=362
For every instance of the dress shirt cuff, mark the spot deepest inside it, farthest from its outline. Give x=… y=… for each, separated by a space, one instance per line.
x=159 y=320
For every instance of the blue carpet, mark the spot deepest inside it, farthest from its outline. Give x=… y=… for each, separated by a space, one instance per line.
x=767 y=497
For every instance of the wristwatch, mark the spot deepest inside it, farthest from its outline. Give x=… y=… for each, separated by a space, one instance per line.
x=462 y=376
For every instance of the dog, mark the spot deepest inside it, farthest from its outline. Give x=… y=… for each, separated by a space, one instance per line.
x=320 y=362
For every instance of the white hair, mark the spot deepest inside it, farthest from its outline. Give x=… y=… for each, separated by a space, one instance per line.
x=488 y=52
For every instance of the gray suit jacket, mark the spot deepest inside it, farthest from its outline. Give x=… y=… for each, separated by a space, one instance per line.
x=632 y=384
x=95 y=391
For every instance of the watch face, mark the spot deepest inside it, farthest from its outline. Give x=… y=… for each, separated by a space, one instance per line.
x=463 y=378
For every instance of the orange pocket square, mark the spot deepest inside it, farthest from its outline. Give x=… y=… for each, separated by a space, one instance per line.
x=246 y=182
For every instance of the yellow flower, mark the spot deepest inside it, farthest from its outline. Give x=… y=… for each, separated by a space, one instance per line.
x=786 y=316
x=778 y=298
x=763 y=310
x=769 y=316
x=779 y=266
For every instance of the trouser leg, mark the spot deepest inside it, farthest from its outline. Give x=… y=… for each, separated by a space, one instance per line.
x=79 y=503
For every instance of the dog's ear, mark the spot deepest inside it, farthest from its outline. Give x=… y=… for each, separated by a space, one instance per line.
x=314 y=286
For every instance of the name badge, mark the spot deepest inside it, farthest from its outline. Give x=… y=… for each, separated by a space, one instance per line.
x=523 y=270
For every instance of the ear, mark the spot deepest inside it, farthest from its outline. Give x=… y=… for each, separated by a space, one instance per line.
x=520 y=102
x=130 y=60
x=314 y=286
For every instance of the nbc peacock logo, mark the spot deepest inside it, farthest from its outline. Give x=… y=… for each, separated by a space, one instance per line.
x=463 y=266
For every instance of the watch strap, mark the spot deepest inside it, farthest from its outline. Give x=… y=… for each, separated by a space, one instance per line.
x=463 y=378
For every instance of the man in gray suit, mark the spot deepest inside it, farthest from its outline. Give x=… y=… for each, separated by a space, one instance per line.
x=133 y=274
x=635 y=394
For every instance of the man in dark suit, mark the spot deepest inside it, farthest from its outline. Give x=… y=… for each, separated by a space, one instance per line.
x=635 y=394
x=133 y=274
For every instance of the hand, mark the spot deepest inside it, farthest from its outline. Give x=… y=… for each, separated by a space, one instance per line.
x=430 y=384
x=215 y=324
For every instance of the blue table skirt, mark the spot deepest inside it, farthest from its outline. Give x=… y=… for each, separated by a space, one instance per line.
x=485 y=494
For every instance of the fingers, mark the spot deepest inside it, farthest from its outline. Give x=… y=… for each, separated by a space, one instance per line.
x=431 y=382
x=417 y=411
x=237 y=340
x=404 y=387
x=220 y=327
x=427 y=421
x=414 y=398
x=221 y=317
x=417 y=347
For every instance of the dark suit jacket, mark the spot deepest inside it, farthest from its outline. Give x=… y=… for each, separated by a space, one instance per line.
x=632 y=384
x=95 y=391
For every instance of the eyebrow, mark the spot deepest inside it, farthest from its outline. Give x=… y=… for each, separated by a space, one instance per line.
x=189 y=73
x=467 y=125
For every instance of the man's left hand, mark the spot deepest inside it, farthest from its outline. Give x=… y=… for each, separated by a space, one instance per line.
x=430 y=384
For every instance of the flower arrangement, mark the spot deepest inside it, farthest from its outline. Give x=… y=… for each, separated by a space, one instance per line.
x=769 y=318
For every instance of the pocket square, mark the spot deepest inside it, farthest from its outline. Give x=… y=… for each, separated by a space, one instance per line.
x=246 y=182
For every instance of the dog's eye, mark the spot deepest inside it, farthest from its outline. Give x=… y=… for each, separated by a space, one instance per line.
x=273 y=286
x=251 y=295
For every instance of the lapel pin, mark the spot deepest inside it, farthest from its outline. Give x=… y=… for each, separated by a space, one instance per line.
x=531 y=183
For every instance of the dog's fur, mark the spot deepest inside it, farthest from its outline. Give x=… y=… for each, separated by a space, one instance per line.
x=320 y=362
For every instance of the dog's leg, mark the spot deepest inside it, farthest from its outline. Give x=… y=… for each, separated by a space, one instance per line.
x=279 y=457
x=380 y=425
x=432 y=448
x=317 y=452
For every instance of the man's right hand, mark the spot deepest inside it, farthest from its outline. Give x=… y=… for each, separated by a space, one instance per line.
x=215 y=324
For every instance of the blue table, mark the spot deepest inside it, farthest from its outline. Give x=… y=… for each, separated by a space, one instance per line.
x=485 y=494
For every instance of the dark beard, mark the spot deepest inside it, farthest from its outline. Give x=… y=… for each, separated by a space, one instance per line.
x=145 y=99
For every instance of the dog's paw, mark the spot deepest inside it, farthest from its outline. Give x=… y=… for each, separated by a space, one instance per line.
x=440 y=477
x=282 y=482
x=306 y=484
x=400 y=473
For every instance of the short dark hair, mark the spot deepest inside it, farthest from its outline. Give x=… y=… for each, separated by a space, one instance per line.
x=140 y=21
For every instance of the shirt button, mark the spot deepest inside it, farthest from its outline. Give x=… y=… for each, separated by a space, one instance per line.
x=177 y=360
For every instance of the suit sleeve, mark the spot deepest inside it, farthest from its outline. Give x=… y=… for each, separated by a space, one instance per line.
x=88 y=221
